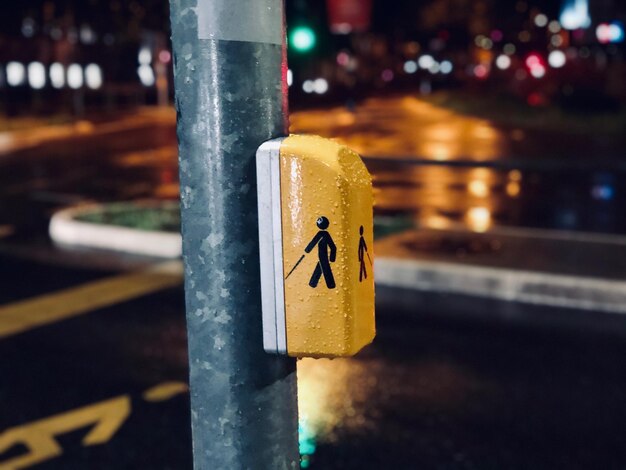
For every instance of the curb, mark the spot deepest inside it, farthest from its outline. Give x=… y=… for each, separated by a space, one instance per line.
x=556 y=290
x=66 y=230
x=531 y=287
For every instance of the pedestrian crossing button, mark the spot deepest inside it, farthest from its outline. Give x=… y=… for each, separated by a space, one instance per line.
x=316 y=245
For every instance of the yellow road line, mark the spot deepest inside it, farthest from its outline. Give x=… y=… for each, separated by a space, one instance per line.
x=165 y=391
x=39 y=437
x=104 y=419
x=50 y=308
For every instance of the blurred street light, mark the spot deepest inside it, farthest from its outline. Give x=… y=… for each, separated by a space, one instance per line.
x=75 y=76
x=509 y=49
x=554 y=26
x=93 y=76
x=145 y=56
x=575 y=15
x=536 y=65
x=146 y=75
x=410 y=66
x=16 y=74
x=610 y=33
x=481 y=71
x=36 y=75
x=541 y=20
x=426 y=61
x=57 y=75
x=320 y=86
x=434 y=68
x=556 y=59
x=503 y=62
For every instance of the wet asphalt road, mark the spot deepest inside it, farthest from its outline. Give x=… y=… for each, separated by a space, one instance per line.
x=120 y=351
x=542 y=180
x=449 y=388
x=449 y=383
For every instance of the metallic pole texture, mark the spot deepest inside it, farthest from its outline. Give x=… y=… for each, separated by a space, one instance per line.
x=231 y=96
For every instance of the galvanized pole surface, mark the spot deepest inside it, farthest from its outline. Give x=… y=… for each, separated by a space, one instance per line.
x=230 y=97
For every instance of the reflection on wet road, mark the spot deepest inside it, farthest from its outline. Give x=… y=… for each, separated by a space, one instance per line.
x=539 y=180
x=535 y=182
x=435 y=393
x=406 y=127
x=558 y=198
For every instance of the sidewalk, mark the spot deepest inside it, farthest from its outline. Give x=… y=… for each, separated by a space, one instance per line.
x=575 y=270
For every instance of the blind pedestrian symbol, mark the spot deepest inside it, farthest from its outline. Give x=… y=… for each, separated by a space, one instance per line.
x=326 y=254
x=362 y=252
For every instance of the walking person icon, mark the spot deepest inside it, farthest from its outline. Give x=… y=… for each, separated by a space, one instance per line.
x=326 y=252
x=362 y=252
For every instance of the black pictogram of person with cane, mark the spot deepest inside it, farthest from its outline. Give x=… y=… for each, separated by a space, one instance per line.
x=362 y=252
x=326 y=252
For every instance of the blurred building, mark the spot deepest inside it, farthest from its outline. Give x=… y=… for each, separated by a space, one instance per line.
x=109 y=53
x=72 y=55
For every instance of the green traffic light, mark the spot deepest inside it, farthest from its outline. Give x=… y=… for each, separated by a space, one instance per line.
x=302 y=38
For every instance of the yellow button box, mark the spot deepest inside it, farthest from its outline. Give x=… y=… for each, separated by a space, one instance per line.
x=316 y=244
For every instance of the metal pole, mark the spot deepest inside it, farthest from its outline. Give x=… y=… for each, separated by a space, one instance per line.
x=230 y=97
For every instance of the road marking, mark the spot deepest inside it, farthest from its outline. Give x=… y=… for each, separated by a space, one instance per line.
x=105 y=418
x=165 y=391
x=50 y=308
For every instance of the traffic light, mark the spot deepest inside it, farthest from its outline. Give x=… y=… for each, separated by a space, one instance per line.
x=302 y=38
